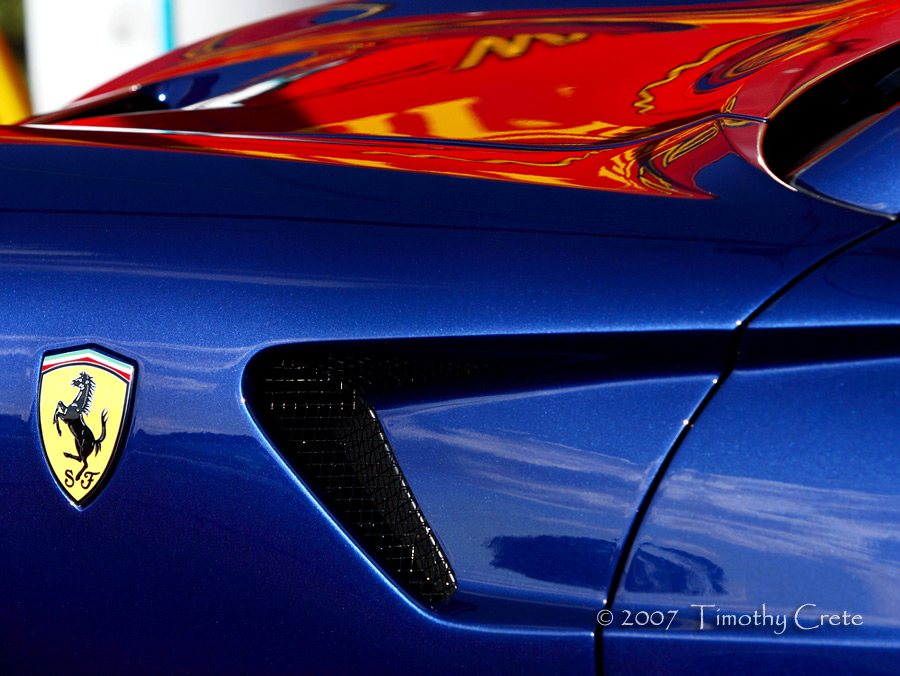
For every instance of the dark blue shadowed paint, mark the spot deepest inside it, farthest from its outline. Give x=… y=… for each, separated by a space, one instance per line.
x=863 y=170
x=424 y=7
x=184 y=91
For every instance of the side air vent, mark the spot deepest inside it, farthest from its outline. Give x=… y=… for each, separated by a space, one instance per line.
x=324 y=427
x=317 y=403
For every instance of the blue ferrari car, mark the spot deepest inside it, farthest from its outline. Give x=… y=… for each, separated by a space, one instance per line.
x=462 y=337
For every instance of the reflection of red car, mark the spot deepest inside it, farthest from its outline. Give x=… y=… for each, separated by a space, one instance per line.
x=492 y=341
x=552 y=92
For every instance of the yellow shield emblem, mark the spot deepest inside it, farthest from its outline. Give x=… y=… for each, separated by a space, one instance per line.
x=84 y=403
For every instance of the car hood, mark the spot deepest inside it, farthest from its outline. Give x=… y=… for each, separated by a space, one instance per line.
x=617 y=99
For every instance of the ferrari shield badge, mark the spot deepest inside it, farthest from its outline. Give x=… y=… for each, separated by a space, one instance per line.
x=84 y=400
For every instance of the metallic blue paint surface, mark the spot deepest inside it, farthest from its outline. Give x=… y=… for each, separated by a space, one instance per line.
x=846 y=173
x=494 y=259
x=202 y=534
x=205 y=556
x=783 y=494
x=855 y=291
x=544 y=485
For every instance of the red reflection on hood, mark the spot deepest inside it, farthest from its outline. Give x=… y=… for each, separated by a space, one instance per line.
x=625 y=85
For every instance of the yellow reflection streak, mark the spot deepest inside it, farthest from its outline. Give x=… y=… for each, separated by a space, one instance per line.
x=513 y=47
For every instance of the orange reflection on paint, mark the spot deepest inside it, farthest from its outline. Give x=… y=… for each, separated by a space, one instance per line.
x=666 y=165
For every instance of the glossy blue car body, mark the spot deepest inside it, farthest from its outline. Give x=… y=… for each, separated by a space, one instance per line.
x=724 y=434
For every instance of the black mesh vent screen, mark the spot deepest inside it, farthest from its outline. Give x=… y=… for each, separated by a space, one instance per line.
x=313 y=401
x=332 y=438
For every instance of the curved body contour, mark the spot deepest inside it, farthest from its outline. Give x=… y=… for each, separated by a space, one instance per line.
x=358 y=179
